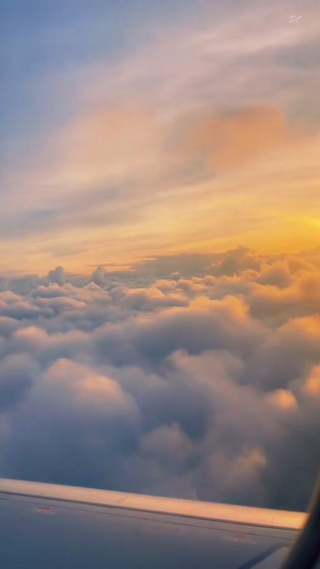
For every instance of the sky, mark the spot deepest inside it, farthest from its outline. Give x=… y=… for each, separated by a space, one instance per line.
x=160 y=247
x=130 y=129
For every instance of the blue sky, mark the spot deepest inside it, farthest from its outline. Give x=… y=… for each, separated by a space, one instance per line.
x=39 y=38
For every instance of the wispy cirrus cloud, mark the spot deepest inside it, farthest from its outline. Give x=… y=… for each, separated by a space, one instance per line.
x=196 y=123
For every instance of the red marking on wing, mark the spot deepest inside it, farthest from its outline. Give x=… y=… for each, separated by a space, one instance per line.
x=44 y=510
x=240 y=537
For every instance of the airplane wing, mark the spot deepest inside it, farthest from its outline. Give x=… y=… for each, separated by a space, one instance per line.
x=56 y=527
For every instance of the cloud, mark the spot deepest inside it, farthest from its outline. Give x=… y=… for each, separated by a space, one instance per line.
x=17 y=374
x=186 y=365
x=224 y=56
x=98 y=277
x=151 y=298
x=312 y=385
x=234 y=262
x=282 y=398
x=57 y=276
x=172 y=386
x=299 y=299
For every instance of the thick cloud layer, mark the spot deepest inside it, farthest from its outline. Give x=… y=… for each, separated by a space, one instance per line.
x=187 y=376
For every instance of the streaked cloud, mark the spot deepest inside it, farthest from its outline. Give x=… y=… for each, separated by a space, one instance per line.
x=193 y=123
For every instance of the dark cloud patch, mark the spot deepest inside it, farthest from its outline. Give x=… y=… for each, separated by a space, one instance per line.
x=205 y=325
x=185 y=264
x=278 y=274
x=16 y=379
x=98 y=277
x=57 y=276
x=22 y=310
x=301 y=298
x=190 y=376
x=287 y=354
x=20 y=284
x=151 y=299
x=234 y=262
x=7 y=326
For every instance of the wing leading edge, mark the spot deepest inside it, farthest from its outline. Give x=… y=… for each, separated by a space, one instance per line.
x=46 y=525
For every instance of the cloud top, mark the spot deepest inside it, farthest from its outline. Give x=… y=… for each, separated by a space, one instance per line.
x=200 y=386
